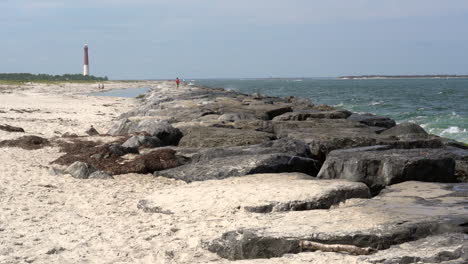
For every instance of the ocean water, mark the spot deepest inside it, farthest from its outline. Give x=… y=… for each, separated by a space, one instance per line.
x=438 y=105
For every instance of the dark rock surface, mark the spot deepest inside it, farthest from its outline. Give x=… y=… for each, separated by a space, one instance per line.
x=380 y=168
x=234 y=166
x=308 y=115
x=9 y=128
x=201 y=137
x=92 y=131
x=394 y=218
x=284 y=146
x=406 y=130
x=373 y=120
x=160 y=129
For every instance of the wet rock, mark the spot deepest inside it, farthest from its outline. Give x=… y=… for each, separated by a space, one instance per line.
x=221 y=137
x=92 y=131
x=26 y=142
x=168 y=134
x=80 y=170
x=142 y=141
x=307 y=115
x=234 y=166
x=101 y=175
x=373 y=120
x=259 y=193
x=378 y=169
x=406 y=131
x=394 y=218
x=9 y=128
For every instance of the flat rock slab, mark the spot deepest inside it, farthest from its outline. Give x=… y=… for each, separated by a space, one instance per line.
x=445 y=248
x=259 y=193
x=235 y=166
x=206 y=137
x=380 y=168
x=308 y=115
x=394 y=218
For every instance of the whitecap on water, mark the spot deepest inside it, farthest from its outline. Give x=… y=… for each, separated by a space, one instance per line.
x=453 y=130
x=376 y=103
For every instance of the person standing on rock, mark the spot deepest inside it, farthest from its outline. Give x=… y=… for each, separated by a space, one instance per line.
x=177 y=81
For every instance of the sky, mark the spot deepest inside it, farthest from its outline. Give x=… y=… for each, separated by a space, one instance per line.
x=160 y=39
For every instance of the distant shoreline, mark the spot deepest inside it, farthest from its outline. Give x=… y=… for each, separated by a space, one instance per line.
x=363 y=77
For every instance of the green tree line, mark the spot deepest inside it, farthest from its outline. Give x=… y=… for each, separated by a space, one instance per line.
x=29 y=77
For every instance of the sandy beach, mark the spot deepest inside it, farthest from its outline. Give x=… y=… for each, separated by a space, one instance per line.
x=48 y=217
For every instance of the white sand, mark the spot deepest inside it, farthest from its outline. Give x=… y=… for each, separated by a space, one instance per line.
x=48 y=218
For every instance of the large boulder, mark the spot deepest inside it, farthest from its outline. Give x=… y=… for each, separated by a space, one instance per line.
x=142 y=141
x=373 y=120
x=286 y=146
x=261 y=110
x=235 y=166
x=307 y=115
x=406 y=212
x=200 y=137
x=381 y=168
x=168 y=134
x=406 y=131
x=259 y=193
x=325 y=135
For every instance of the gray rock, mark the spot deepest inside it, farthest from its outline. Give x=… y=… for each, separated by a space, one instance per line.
x=236 y=116
x=142 y=141
x=119 y=150
x=100 y=175
x=259 y=193
x=281 y=146
x=461 y=170
x=378 y=169
x=260 y=111
x=395 y=218
x=325 y=135
x=433 y=249
x=307 y=115
x=80 y=170
x=220 y=168
x=373 y=120
x=161 y=129
x=199 y=136
x=406 y=130
x=92 y=131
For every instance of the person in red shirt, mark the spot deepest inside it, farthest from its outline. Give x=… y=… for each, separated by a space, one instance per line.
x=177 y=81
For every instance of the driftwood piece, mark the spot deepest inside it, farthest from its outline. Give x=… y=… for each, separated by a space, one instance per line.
x=353 y=250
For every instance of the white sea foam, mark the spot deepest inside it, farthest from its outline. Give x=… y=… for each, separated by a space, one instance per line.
x=376 y=103
x=453 y=130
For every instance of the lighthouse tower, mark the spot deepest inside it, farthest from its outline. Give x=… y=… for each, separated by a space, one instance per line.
x=86 y=61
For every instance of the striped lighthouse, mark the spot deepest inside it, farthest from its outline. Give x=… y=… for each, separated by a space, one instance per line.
x=86 y=61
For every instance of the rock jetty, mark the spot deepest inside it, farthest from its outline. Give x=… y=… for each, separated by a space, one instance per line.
x=289 y=172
